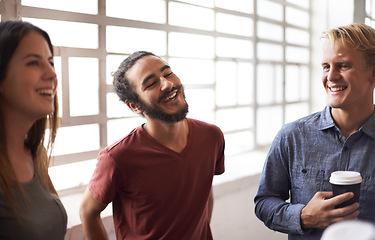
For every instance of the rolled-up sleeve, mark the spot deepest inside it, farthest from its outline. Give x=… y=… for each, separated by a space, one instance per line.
x=272 y=204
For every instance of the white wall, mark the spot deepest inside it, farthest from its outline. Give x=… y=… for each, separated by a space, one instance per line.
x=233 y=214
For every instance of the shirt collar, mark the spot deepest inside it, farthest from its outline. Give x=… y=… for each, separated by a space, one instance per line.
x=326 y=121
x=369 y=126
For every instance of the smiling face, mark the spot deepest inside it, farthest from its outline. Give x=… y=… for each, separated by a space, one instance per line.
x=349 y=83
x=30 y=81
x=160 y=91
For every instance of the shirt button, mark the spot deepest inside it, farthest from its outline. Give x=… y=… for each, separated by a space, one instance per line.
x=304 y=171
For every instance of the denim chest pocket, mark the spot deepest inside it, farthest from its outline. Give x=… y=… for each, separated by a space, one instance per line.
x=306 y=182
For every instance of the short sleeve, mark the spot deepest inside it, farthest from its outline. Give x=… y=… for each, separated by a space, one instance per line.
x=105 y=182
x=219 y=168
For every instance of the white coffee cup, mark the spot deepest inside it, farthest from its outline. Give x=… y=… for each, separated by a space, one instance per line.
x=346 y=181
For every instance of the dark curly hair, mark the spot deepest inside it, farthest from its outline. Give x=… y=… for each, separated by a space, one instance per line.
x=121 y=83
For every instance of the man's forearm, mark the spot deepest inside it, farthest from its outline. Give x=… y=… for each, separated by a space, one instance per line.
x=94 y=228
x=89 y=213
x=279 y=215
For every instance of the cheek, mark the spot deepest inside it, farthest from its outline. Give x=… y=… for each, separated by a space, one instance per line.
x=17 y=86
x=6 y=87
x=55 y=82
x=324 y=79
x=177 y=81
x=372 y=78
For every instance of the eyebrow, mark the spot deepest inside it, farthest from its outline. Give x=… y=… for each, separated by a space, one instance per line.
x=36 y=56
x=146 y=79
x=347 y=61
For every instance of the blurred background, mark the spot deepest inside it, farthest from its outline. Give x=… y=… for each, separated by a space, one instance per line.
x=248 y=66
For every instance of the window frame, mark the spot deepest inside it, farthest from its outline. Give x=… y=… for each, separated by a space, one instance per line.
x=13 y=9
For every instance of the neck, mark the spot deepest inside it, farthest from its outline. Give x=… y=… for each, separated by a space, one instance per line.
x=351 y=121
x=15 y=133
x=19 y=155
x=171 y=135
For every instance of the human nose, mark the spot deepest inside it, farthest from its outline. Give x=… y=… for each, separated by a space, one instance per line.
x=165 y=84
x=50 y=73
x=333 y=74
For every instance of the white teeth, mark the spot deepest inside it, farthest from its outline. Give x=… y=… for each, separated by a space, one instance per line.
x=171 y=96
x=46 y=91
x=336 y=89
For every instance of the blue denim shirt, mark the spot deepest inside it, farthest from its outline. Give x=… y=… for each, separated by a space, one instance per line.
x=299 y=163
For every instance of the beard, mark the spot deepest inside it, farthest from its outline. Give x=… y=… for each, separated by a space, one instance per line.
x=155 y=112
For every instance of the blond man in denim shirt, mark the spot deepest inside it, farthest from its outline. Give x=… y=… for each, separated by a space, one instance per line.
x=294 y=194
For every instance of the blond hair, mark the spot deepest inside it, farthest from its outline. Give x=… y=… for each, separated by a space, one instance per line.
x=354 y=37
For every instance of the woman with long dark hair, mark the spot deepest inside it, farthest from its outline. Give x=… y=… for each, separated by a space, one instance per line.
x=29 y=205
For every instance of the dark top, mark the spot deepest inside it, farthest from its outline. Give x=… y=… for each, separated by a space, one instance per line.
x=41 y=216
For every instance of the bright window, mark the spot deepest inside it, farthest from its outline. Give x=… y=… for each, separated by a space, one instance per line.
x=244 y=68
x=136 y=10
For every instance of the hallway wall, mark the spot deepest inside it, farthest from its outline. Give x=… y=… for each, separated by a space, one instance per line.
x=233 y=214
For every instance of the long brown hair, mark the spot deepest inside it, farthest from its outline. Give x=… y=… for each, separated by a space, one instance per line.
x=11 y=33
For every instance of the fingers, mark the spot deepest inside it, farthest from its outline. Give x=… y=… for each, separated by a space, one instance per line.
x=344 y=216
x=320 y=212
x=341 y=198
x=346 y=211
x=323 y=195
x=316 y=213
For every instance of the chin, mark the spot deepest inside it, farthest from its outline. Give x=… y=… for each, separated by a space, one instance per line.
x=45 y=113
x=335 y=105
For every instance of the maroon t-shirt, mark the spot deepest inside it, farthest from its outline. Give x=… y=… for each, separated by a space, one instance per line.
x=156 y=192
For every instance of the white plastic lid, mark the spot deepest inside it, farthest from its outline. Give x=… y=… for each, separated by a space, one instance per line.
x=345 y=177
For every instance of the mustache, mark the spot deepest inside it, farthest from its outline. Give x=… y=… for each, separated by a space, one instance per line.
x=167 y=93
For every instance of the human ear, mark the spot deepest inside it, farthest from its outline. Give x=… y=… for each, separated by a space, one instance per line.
x=134 y=107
